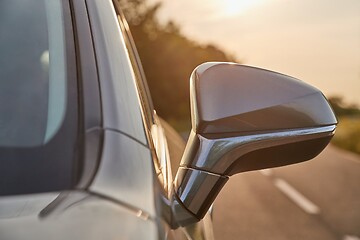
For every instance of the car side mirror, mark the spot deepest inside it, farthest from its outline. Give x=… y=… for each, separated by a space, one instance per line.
x=245 y=118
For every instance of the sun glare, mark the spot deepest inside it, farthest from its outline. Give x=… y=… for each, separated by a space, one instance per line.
x=235 y=7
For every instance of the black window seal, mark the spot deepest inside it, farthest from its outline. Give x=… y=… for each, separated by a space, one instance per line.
x=90 y=110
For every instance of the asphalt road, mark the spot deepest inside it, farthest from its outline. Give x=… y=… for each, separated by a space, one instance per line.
x=318 y=199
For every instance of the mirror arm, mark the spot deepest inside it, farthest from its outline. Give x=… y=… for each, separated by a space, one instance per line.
x=207 y=164
x=218 y=155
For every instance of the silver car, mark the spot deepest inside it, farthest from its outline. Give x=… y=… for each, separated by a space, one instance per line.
x=83 y=154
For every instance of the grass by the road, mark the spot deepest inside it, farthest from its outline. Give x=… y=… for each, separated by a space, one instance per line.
x=347 y=135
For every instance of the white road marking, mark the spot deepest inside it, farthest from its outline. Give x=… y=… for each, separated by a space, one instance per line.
x=351 y=237
x=297 y=197
x=266 y=172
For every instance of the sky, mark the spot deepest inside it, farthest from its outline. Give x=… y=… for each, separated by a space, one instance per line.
x=317 y=41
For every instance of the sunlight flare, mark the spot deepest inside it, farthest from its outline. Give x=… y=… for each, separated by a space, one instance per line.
x=235 y=7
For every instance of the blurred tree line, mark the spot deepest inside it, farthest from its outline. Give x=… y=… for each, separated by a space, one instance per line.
x=347 y=134
x=342 y=109
x=168 y=58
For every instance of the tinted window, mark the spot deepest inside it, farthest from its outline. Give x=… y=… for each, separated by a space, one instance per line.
x=32 y=73
x=37 y=95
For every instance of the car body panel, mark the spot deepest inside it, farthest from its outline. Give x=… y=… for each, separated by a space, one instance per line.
x=120 y=100
x=89 y=217
x=126 y=172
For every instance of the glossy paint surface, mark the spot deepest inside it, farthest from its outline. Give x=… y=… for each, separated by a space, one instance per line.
x=208 y=163
x=126 y=173
x=120 y=100
x=218 y=155
x=194 y=185
x=245 y=119
x=233 y=98
x=90 y=217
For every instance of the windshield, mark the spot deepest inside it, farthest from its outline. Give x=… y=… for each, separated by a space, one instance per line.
x=32 y=73
x=38 y=117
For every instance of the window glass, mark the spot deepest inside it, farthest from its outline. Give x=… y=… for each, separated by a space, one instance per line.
x=38 y=97
x=32 y=71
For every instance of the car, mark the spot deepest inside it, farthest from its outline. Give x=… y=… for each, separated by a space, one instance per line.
x=83 y=154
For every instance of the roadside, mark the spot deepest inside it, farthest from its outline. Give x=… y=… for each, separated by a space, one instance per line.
x=318 y=199
x=347 y=135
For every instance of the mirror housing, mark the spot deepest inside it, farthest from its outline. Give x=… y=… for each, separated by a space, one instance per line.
x=243 y=119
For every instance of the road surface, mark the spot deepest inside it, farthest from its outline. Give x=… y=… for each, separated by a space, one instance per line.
x=318 y=199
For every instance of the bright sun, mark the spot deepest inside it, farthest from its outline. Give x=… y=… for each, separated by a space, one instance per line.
x=235 y=7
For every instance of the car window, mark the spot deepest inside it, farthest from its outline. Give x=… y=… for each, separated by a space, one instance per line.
x=32 y=73
x=38 y=95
